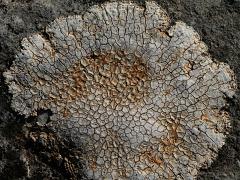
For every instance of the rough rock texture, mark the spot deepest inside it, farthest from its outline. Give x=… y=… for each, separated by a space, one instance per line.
x=217 y=22
x=143 y=100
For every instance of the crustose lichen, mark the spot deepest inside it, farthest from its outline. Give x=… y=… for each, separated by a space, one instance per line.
x=143 y=99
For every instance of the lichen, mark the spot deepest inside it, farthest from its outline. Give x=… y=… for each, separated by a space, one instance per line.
x=143 y=99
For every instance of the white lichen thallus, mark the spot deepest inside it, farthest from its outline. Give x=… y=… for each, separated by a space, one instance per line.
x=142 y=98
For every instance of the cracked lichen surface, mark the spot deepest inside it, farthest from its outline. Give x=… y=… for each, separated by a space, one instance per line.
x=143 y=99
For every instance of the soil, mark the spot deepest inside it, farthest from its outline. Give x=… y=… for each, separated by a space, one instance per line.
x=30 y=151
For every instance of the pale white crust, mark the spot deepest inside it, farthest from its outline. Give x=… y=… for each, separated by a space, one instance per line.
x=144 y=100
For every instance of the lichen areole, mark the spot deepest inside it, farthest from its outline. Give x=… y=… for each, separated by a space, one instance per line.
x=143 y=99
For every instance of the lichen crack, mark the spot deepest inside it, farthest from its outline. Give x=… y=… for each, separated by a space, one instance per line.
x=143 y=99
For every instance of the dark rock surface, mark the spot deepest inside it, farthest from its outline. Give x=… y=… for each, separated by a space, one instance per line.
x=30 y=151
